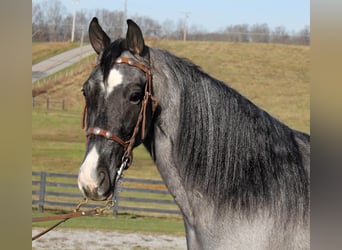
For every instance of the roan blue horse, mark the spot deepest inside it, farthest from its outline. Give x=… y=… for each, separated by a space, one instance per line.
x=239 y=176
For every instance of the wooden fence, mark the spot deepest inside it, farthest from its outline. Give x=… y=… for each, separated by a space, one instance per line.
x=48 y=104
x=57 y=191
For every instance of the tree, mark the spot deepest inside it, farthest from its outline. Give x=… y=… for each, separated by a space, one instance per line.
x=260 y=33
x=237 y=33
x=303 y=36
x=148 y=26
x=38 y=25
x=112 y=22
x=280 y=35
x=54 y=11
x=168 y=27
x=82 y=22
x=51 y=22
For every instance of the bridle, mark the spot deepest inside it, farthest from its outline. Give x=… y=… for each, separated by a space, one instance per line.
x=149 y=101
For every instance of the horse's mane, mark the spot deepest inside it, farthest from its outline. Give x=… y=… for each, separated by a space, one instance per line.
x=233 y=151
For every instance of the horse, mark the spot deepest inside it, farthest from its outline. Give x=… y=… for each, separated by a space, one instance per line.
x=239 y=176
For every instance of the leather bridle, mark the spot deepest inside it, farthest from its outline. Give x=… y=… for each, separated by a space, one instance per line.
x=148 y=100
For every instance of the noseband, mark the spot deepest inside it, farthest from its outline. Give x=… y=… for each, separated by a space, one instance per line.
x=141 y=121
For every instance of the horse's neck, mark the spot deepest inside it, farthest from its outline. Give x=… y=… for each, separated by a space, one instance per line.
x=161 y=149
x=165 y=136
x=166 y=163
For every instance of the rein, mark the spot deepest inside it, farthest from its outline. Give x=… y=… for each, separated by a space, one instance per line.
x=77 y=213
x=148 y=100
x=64 y=217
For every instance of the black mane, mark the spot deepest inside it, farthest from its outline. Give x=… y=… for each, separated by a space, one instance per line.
x=233 y=151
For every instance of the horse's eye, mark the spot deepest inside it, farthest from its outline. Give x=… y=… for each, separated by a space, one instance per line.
x=135 y=98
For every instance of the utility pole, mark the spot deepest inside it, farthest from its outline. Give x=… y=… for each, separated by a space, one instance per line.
x=124 y=19
x=74 y=22
x=185 y=27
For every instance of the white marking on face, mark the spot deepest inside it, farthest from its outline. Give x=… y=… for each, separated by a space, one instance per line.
x=114 y=79
x=87 y=176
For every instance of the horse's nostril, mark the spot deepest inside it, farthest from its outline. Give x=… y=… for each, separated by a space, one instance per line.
x=104 y=182
x=102 y=177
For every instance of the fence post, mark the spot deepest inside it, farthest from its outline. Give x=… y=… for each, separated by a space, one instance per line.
x=47 y=103
x=63 y=104
x=116 y=201
x=42 y=192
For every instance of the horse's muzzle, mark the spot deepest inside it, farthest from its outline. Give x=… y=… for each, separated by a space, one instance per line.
x=95 y=186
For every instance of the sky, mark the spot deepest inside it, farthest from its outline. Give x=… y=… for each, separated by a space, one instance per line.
x=213 y=15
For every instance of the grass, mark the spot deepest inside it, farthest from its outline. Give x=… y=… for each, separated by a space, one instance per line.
x=56 y=142
x=122 y=223
x=58 y=145
x=275 y=77
x=44 y=83
x=42 y=50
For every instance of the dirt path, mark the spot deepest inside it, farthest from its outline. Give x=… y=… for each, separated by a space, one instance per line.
x=94 y=240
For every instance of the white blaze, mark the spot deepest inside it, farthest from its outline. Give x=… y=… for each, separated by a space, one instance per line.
x=87 y=176
x=114 y=79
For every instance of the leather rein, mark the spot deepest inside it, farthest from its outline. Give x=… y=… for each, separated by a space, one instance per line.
x=64 y=217
x=127 y=145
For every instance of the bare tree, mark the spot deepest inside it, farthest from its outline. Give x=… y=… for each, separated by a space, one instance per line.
x=37 y=14
x=179 y=32
x=54 y=12
x=168 y=27
x=237 y=33
x=303 y=36
x=149 y=26
x=111 y=21
x=51 y=22
x=38 y=24
x=280 y=35
x=260 y=33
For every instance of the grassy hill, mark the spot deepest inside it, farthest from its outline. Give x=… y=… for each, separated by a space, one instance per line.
x=275 y=77
x=41 y=50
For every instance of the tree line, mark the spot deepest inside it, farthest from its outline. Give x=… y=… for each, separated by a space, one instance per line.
x=52 y=22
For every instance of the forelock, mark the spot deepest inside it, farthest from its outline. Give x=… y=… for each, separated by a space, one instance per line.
x=110 y=54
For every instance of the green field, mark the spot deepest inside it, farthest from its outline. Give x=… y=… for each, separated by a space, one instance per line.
x=122 y=223
x=275 y=77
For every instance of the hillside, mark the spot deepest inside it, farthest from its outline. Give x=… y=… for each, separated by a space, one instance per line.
x=275 y=77
x=42 y=51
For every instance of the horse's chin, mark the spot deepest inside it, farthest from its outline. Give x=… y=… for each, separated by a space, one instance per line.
x=108 y=195
x=98 y=197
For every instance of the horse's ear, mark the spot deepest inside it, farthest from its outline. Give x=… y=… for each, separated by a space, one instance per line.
x=134 y=38
x=98 y=38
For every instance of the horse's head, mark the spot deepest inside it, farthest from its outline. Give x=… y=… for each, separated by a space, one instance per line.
x=118 y=107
